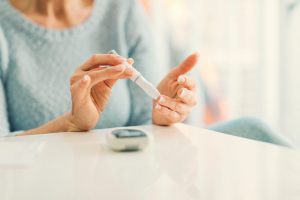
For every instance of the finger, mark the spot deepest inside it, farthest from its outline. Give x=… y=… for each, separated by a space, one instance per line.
x=110 y=83
x=170 y=115
x=187 y=96
x=116 y=72
x=102 y=59
x=127 y=71
x=187 y=65
x=187 y=82
x=127 y=74
x=174 y=105
x=80 y=89
x=79 y=74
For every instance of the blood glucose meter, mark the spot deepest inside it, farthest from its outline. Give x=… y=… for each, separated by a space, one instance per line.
x=127 y=139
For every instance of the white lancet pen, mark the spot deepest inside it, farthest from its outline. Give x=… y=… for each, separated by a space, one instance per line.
x=138 y=79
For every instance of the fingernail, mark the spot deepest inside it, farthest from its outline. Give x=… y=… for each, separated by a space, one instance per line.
x=86 y=78
x=183 y=93
x=119 y=68
x=181 y=79
x=157 y=107
x=162 y=100
x=130 y=60
x=104 y=66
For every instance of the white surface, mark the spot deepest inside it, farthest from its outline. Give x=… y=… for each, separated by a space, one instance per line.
x=19 y=154
x=183 y=163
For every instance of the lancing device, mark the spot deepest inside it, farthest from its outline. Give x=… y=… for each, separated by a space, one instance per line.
x=138 y=79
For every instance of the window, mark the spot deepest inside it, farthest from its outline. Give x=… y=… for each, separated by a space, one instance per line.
x=253 y=44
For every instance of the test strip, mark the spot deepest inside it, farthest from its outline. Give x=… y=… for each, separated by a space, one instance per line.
x=143 y=83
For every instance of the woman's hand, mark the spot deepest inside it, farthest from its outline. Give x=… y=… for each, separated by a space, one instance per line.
x=91 y=87
x=178 y=94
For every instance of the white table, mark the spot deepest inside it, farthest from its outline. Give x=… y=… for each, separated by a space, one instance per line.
x=184 y=163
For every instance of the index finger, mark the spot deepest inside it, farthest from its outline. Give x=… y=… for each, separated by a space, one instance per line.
x=187 y=65
x=117 y=72
x=102 y=59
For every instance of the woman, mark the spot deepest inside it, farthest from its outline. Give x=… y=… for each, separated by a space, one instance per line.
x=44 y=42
x=48 y=40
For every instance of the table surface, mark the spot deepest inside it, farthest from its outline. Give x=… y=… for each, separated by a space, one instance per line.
x=183 y=162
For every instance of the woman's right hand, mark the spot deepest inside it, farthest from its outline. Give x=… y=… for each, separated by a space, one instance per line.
x=91 y=86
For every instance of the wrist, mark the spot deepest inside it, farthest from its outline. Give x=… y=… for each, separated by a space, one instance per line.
x=63 y=123
x=69 y=124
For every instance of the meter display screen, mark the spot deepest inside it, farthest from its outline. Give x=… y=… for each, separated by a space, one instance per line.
x=128 y=133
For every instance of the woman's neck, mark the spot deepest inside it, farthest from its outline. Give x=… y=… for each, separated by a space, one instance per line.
x=57 y=14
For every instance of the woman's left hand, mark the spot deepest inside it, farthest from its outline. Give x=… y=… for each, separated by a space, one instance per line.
x=178 y=94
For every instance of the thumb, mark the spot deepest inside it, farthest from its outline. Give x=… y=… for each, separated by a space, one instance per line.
x=80 y=89
x=187 y=65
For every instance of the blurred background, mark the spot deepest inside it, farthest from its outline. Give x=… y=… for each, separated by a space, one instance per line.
x=250 y=56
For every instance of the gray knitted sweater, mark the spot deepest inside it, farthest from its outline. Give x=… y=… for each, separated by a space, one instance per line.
x=36 y=64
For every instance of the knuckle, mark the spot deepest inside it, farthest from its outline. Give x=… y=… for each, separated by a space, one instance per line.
x=110 y=73
x=169 y=103
x=171 y=115
x=73 y=88
x=92 y=76
x=110 y=70
x=73 y=80
x=94 y=57
x=190 y=96
x=78 y=69
x=178 y=107
x=111 y=56
x=179 y=92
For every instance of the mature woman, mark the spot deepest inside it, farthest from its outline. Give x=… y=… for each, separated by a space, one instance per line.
x=44 y=41
x=48 y=40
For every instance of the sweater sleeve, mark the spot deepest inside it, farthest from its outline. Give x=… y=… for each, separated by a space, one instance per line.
x=140 y=40
x=4 y=125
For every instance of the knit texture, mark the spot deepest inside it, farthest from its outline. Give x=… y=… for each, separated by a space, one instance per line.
x=37 y=62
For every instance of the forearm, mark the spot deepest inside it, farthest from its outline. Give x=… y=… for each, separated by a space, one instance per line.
x=60 y=124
